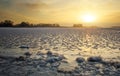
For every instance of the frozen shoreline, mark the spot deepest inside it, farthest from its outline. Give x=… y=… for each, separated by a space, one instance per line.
x=55 y=65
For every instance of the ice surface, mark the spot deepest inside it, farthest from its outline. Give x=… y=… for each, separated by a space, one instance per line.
x=68 y=42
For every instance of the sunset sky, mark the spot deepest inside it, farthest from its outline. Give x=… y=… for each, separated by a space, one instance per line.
x=60 y=11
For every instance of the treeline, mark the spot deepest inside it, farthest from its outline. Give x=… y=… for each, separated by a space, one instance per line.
x=9 y=23
x=115 y=27
x=77 y=25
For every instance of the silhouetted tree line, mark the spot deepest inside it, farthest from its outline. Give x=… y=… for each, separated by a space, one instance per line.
x=77 y=25
x=115 y=26
x=9 y=23
x=6 y=23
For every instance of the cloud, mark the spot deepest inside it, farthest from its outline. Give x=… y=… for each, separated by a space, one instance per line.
x=5 y=3
x=16 y=17
x=34 y=5
x=31 y=5
x=22 y=4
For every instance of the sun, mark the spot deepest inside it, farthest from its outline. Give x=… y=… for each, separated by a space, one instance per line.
x=88 y=18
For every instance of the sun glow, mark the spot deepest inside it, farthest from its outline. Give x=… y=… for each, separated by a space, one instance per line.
x=88 y=18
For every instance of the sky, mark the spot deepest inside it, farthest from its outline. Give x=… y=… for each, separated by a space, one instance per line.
x=60 y=11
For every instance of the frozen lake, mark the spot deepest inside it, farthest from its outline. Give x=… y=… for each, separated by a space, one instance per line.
x=59 y=52
x=70 y=42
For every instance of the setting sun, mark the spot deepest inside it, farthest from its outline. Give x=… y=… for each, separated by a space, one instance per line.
x=88 y=18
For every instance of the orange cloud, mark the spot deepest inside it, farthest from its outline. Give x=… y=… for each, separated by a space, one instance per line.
x=33 y=5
